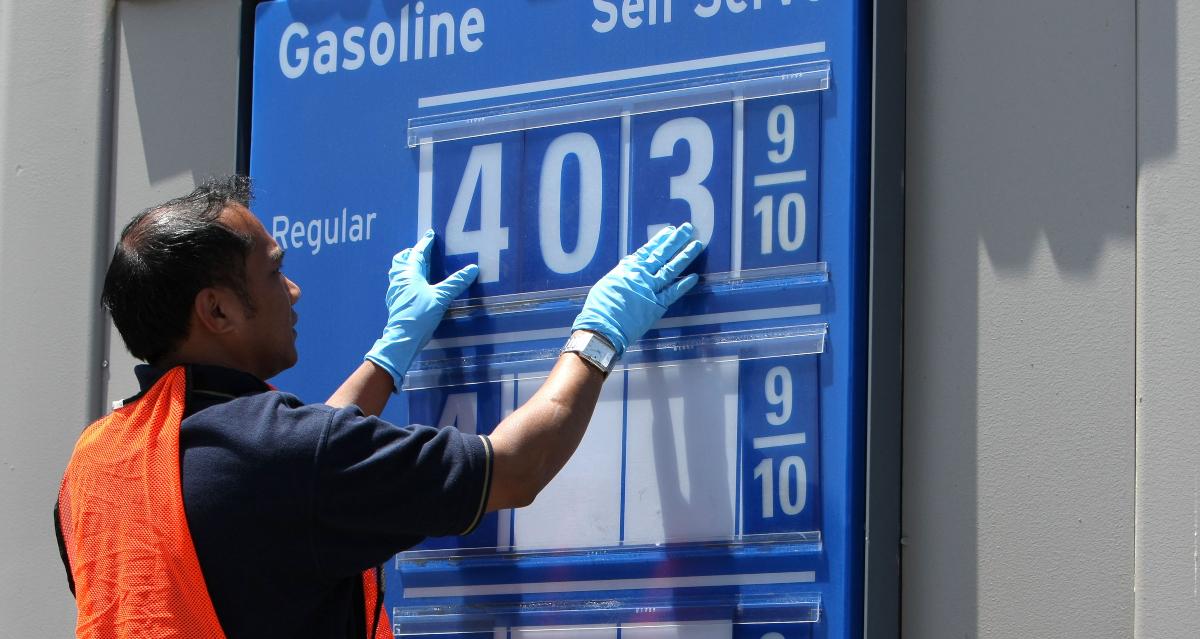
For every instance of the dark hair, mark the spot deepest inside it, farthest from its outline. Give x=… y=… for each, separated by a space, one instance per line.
x=169 y=253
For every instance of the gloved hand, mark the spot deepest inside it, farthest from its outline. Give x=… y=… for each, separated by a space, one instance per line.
x=415 y=307
x=633 y=296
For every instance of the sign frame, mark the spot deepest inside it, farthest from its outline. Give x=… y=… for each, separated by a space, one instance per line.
x=881 y=392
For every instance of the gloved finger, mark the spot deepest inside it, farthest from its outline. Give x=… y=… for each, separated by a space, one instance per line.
x=678 y=290
x=399 y=263
x=456 y=283
x=670 y=246
x=679 y=263
x=419 y=257
x=396 y=276
x=643 y=253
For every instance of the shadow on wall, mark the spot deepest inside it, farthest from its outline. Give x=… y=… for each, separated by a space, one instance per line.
x=1158 y=82
x=1021 y=142
x=181 y=59
x=183 y=67
x=1059 y=93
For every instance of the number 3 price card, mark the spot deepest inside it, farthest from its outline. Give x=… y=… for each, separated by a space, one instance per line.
x=718 y=491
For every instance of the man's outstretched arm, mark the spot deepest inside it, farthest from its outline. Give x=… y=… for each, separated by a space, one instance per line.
x=369 y=387
x=534 y=443
x=415 y=307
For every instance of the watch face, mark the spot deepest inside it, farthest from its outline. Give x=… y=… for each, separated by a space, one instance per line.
x=601 y=351
x=593 y=349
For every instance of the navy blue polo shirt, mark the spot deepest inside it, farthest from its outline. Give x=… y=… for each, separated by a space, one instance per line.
x=289 y=502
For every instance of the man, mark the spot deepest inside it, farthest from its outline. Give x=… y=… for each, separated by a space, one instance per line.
x=212 y=505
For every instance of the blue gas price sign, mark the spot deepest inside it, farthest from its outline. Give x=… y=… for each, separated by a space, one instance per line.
x=717 y=491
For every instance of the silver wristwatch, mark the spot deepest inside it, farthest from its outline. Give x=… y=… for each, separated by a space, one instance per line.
x=594 y=350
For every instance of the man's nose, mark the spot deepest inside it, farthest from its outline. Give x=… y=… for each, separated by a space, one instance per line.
x=293 y=290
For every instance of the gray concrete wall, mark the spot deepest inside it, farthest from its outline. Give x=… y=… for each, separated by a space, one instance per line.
x=1019 y=328
x=1027 y=293
x=175 y=121
x=54 y=159
x=104 y=110
x=1168 y=326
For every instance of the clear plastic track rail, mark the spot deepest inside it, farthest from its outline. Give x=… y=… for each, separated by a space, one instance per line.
x=776 y=279
x=593 y=614
x=635 y=100
x=465 y=590
x=647 y=353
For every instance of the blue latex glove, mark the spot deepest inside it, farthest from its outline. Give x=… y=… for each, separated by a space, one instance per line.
x=624 y=304
x=415 y=307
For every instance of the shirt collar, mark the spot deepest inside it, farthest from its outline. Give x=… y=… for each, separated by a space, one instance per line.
x=206 y=380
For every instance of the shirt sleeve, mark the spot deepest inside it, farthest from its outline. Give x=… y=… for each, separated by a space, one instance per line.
x=381 y=488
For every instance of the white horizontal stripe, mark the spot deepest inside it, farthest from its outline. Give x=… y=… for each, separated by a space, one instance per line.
x=670 y=322
x=803 y=576
x=776 y=441
x=499 y=338
x=739 y=316
x=620 y=74
x=775 y=179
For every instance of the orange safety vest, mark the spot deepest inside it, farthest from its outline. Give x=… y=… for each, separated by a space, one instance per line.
x=125 y=532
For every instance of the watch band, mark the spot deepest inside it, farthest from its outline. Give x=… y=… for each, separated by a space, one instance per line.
x=593 y=349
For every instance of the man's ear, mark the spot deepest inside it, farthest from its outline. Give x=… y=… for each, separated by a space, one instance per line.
x=217 y=310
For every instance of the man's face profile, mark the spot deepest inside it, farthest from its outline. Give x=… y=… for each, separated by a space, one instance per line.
x=266 y=334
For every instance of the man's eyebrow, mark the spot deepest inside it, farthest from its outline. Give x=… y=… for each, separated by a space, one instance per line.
x=276 y=255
